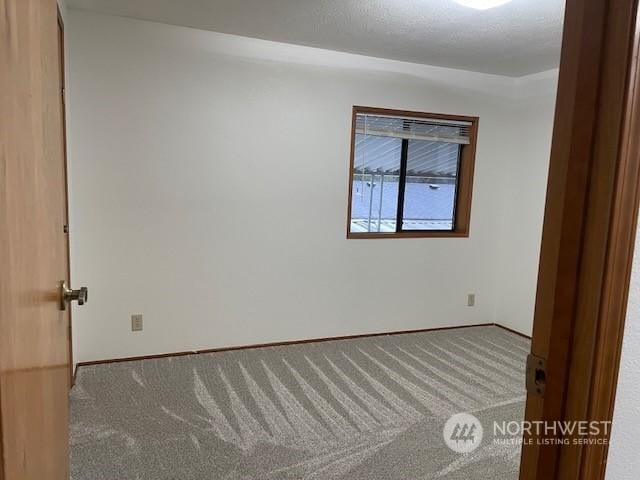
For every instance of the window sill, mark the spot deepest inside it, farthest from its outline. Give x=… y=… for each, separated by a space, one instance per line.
x=415 y=234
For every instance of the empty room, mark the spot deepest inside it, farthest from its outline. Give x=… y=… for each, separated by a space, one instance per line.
x=289 y=239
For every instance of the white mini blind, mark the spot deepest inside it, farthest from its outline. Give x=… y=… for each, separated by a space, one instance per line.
x=434 y=130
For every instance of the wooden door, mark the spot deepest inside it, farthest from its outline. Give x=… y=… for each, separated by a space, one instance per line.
x=34 y=332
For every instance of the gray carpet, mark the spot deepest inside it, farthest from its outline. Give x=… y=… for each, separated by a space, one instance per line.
x=370 y=408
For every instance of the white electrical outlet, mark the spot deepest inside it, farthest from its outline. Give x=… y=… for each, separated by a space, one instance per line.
x=471 y=299
x=136 y=322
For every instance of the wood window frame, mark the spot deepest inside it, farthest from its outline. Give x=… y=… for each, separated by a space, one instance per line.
x=462 y=215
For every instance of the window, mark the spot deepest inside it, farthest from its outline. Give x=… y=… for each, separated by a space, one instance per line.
x=411 y=174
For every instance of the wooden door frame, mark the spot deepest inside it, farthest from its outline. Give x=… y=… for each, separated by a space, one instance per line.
x=589 y=231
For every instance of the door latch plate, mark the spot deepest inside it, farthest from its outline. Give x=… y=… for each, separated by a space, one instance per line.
x=536 y=375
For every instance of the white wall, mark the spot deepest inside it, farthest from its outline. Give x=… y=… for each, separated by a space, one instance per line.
x=524 y=201
x=209 y=186
x=623 y=462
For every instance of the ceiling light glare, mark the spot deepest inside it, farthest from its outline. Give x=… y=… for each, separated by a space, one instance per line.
x=482 y=4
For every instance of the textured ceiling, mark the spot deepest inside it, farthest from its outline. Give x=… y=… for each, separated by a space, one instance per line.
x=515 y=39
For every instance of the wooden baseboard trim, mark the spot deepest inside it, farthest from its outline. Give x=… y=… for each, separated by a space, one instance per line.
x=515 y=332
x=289 y=342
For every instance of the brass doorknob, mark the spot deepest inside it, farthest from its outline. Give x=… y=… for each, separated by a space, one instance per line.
x=67 y=295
